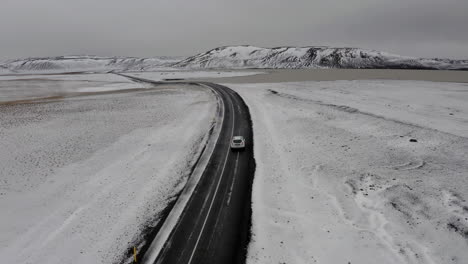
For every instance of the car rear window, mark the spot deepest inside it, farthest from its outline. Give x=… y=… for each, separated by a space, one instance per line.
x=237 y=141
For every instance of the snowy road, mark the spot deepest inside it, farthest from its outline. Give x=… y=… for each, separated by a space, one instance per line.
x=214 y=225
x=216 y=222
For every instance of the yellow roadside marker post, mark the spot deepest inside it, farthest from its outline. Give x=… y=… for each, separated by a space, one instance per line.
x=135 y=254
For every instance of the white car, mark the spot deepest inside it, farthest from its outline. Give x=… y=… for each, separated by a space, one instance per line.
x=237 y=143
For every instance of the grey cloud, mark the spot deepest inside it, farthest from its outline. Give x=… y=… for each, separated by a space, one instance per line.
x=427 y=28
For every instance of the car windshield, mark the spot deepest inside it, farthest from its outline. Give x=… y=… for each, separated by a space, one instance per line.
x=237 y=141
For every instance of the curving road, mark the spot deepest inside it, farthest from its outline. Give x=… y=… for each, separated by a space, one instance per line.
x=214 y=225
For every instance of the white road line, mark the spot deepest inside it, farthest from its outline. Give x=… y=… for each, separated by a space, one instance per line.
x=216 y=190
x=233 y=180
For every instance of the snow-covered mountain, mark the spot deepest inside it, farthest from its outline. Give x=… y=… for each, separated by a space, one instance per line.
x=311 y=57
x=235 y=57
x=4 y=70
x=85 y=64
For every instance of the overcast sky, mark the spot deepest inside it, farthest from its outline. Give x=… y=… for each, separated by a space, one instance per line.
x=424 y=28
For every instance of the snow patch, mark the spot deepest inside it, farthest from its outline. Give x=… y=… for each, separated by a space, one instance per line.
x=82 y=177
x=333 y=180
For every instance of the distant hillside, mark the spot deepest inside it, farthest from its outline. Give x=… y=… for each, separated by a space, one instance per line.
x=4 y=70
x=235 y=57
x=311 y=57
x=85 y=64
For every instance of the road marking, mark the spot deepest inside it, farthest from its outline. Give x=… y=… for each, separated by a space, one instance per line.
x=233 y=180
x=238 y=106
x=217 y=187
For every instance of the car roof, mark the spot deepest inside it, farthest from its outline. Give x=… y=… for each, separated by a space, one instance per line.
x=238 y=137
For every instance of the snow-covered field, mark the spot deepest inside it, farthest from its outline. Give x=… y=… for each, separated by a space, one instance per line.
x=37 y=86
x=20 y=87
x=359 y=172
x=82 y=177
x=338 y=177
x=162 y=75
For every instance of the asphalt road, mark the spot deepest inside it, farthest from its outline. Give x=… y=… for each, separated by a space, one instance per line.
x=211 y=227
x=214 y=225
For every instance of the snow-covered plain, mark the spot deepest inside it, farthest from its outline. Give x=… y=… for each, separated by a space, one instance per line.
x=19 y=87
x=82 y=177
x=168 y=75
x=37 y=86
x=339 y=179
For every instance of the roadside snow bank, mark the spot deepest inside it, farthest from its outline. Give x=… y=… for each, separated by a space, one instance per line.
x=359 y=172
x=81 y=178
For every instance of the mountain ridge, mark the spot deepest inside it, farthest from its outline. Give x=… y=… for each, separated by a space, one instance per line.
x=235 y=57
x=246 y=56
x=85 y=63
